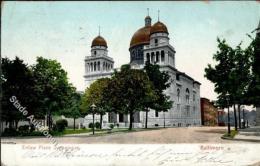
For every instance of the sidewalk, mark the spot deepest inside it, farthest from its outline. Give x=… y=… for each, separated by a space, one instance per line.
x=251 y=134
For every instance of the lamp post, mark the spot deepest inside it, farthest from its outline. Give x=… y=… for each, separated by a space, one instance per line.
x=93 y=106
x=227 y=98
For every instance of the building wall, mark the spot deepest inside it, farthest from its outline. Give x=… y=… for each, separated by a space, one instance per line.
x=89 y=79
x=177 y=115
x=209 y=113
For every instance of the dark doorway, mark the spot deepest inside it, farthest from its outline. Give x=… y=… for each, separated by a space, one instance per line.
x=121 y=117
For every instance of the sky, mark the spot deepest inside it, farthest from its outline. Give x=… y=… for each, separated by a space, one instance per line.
x=64 y=31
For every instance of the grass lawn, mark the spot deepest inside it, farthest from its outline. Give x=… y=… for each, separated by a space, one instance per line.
x=79 y=131
x=100 y=131
x=76 y=131
x=69 y=131
x=232 y=134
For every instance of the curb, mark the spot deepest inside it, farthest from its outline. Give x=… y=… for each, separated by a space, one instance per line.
x=237 y=139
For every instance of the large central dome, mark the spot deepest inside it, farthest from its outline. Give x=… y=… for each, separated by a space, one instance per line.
x=141 y=36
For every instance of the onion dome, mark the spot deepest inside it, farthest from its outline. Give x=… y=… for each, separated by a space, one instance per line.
x=141 y=36
x=148 y=17
x=159 y=27
x=99 y=41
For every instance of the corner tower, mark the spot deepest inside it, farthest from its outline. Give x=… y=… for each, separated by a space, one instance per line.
x=98 y=64
x=140 y=38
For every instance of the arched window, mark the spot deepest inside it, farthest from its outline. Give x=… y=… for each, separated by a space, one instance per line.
x=152 y=57
x=91 y=66
x=156 y=42
x=95 y=66
x=88 y=66
x=157 y=56
x=148 y=57
x=95 y=52
x=98 y=66
x=194 y=96
x=187 y=96
x=162 y=56
x=178 y=95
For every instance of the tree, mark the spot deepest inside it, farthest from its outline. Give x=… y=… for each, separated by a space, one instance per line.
x=254 y=85
x=160 y=82
x=95 y=95
x=230 y=75
x=240 y=77
x=163 y=104
x=128 y=89
x=52 y=89
x=73 y=110
x=220 y=73
x=16 y=81
x=41 y=88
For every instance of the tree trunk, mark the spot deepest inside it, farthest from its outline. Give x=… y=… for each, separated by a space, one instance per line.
x=31 y=126
x=131 y=120
x=101 y=119
x=228 y=121
x=239 y=117
x=49 y=120
x=16 y=124
x=10 y=124
x=235 y=116
x=218 y=118
x=146 y=118
x=74 y=125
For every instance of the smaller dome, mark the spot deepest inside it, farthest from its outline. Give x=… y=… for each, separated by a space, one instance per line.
x=148 y=17
x=99 y=41
x=159 y=27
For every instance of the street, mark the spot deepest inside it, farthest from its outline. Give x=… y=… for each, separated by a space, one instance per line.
x=161 y=136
